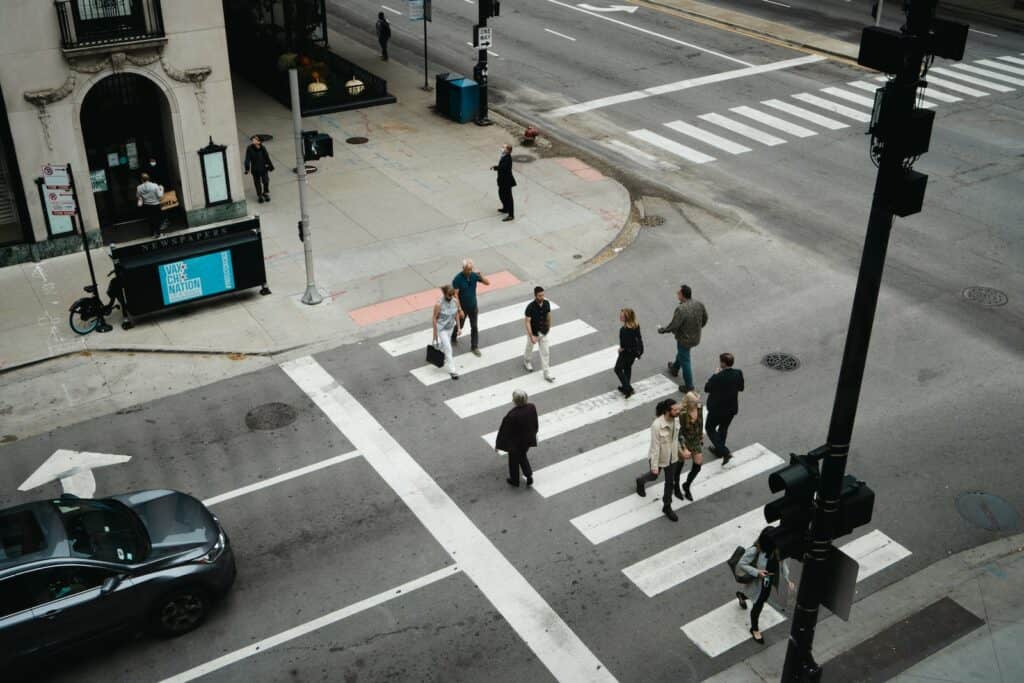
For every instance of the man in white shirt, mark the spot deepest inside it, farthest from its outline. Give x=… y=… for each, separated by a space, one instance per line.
x=149 y=195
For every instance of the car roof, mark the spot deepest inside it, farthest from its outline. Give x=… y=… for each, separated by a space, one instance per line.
x=31 y=532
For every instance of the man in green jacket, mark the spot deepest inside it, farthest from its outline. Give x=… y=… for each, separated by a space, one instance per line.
x=689 y=318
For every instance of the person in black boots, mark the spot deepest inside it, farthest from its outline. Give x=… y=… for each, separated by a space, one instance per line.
x=723 y=389
x=257 y=160
x=631 y=347
x=506 y=181
x=762 y=562
x=663 y=454
x=517 y=434
x=691 y=443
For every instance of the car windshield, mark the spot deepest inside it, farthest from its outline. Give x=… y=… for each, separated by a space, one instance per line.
x=103 y=530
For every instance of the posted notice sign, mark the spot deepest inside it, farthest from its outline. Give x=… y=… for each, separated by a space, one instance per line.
x=482 y=35
x=419 y=10
x=56 y=176
x=196 y=277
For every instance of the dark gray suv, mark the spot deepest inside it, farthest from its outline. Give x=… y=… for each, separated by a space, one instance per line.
x=73 y=569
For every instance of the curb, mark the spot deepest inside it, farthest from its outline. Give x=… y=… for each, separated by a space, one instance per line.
x=964 y=12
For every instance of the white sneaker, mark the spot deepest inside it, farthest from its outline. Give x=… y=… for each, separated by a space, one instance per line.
x=549 y=377
x=528 y=366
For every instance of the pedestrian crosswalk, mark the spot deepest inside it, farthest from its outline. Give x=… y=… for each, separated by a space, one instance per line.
x=498 y=371
x=801 y=115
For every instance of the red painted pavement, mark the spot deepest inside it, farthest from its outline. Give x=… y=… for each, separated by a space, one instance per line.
x=421 y=300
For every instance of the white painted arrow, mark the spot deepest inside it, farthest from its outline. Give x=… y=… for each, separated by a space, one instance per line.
x=74 y=469
x=611 y=8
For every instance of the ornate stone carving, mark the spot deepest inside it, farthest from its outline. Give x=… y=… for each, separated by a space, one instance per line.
x=197 y=77
x=41 y=98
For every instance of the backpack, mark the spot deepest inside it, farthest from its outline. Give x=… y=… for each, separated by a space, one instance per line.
x=734 y=561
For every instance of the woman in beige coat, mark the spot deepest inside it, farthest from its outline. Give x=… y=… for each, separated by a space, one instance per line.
x=663 y=453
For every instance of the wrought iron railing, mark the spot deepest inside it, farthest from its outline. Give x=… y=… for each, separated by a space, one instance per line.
x=91 y=23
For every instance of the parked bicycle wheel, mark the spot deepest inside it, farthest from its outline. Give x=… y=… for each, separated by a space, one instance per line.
x=83 y=316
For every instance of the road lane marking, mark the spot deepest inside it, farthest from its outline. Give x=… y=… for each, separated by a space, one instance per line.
x=597 y=408
x=950 y=85
x=649 y=32
x=841 y=94
x=632 y=511
x=560 y=35
x=834 y=107
x=525 y=610
x=1001 y=67
x=310 y=626
x=743 y=129
x=639 y=156
x=393 y=11
x=805 y=114
x=493 y=54
x=969 y=79
x=302 y=471
x=417 y=341
x=988 y=73
x=727 y=626
x=931 y=92
x=774 y=122
x=780 y=4
x=500 y=394
x=1012 y=60
x=586 y=467
x=628 y=9
x=925 y=94
x=707 y=138
x=682 y=85
x=499 y=353
x=990 y=35
x=671 y=146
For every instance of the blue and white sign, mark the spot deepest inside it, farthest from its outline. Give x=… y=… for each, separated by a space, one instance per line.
x=196 y=277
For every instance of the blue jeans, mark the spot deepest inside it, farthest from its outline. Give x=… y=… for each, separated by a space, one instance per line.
x=683 y=361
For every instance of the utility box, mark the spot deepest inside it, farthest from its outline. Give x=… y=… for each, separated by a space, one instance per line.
x=442 y=92
x=464 y=100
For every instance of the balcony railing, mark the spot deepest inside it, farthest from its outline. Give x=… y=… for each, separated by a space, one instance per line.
x=94 y=23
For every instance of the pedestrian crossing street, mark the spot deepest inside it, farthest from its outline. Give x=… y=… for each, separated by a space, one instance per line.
x=802 y=115
x=715 y=632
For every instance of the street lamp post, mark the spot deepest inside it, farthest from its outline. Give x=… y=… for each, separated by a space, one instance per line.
x=312 y=294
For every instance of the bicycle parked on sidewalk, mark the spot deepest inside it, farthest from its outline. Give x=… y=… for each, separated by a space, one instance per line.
x=88 y=313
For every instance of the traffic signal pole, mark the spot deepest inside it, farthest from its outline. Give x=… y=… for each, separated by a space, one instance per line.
x=485 y=10
x=312 y=295
x=800 y=665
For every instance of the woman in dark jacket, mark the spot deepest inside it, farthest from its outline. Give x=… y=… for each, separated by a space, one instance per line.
x=631 y=347
x=518 y=432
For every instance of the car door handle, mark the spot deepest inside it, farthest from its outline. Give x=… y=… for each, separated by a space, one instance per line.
x=52 y=613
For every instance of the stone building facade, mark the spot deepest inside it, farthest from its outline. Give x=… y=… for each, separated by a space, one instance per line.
x=114 y=88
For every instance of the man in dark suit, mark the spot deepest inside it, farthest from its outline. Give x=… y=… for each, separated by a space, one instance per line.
x=723 y=390
x=518 y=432
x=506 y=182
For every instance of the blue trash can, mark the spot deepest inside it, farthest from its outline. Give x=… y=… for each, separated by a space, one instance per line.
x=443 y=92
x=464 y=99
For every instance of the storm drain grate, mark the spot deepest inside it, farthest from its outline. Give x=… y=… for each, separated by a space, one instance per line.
x=357 y=140
x=652 y=221
x=779 y=360
x=987 y=511
x=270 y=416
x=985 y=296
x=523 y=158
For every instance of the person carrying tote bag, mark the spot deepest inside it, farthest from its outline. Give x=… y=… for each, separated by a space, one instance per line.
x=446 y=320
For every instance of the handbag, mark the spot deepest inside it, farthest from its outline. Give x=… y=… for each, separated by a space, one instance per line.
x=734 y=561
x=435 y=356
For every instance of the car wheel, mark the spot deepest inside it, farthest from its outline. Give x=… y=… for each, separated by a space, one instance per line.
x=179 y=612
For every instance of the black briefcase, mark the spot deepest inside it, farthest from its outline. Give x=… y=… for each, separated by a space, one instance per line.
x=435 y=356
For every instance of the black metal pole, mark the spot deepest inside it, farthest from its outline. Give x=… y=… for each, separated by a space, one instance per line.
x=480 y=70
x=800 y=664
x=102 y=326
x=426 y=85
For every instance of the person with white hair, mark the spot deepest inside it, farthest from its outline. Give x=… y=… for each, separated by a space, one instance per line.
x=465 y=292
x=517 y=434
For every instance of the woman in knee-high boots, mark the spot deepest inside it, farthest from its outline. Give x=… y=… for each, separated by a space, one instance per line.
x=691 y=443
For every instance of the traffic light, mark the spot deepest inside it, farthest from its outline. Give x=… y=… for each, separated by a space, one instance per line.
x=794 y=510
x=856 y=504
x=490 y=8
x=316 y=144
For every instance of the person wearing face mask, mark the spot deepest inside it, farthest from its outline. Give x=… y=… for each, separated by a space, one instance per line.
x=506 y=181
x=156 y=171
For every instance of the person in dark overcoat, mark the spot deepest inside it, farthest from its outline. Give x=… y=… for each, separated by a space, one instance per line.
x=257 y=160
x=723 y=389
x=517 y=434
x=506 y=181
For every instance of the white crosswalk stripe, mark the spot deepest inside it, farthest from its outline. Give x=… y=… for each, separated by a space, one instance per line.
x=638 y=155
x=926 y=96
x=955 y=87
x=773 y=122
x=499 y=353
x=805 y=114
x=707 y=138
x=1012 y=60
x=970 y=79
x=743 y=129
x=932 y=93
x=585 y=467
x=727 y=626
x=500 y=394
x=632 y=511
x=834 y=107
x=999 y=66
x=988 y=73
x=841 y=94
x=417 y=341
x=671 y=146
x=598 y=408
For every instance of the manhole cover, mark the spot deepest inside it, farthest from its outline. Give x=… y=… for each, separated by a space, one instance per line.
x=987 y=511
x=357 y=140
x=778 y=360
x=523 y=158
x=270 y=416
x=985 y=296
x=652 y=221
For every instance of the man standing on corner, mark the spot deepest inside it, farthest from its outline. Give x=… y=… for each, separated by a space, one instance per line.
x=257 y=160
x=383 y=35
x=465 y=291
x=689 y=318
x=538 y=323
x=723 y=389
x=506 y=181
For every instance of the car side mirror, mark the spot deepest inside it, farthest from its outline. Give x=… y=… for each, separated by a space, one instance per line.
x=109 y=584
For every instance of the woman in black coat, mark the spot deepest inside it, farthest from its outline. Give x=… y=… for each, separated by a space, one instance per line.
x=631 y=347
x=518 y=432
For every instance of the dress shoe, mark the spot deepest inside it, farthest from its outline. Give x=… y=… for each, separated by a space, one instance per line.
x=678 y=493
x=508 y=218
x=528 y=366
x=549 y=377
x=476 y=352
x=454 y=375
x=673 y=369
x=259 y=199
x=759 y=639
x=266 y=197
x=686 y=492
x=512 y=483
x=670 y=513
x=630 y=392
x=529 y=481
x=640 y=490
x=726 y=458
x=502 y=210
x=742 y=598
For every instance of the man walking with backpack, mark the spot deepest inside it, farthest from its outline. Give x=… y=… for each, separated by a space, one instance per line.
x=383 y=35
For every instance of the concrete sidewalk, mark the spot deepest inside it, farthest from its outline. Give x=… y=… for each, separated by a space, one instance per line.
x=985 y=581
x=391 y=221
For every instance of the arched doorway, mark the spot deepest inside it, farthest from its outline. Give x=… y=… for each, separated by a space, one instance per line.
x=126 y=121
